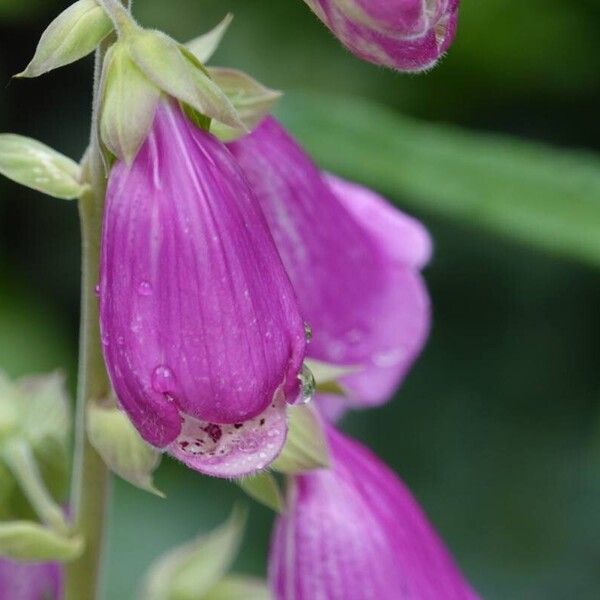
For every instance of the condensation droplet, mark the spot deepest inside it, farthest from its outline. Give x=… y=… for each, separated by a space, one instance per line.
x=145 y=289
x=309 y=385
x=105 y=340
x=163 y=379
x=97 y=290
x=308 y=332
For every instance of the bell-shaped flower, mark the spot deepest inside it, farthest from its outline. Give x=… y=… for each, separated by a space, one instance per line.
x=353 y=259
x=354 y=531
x=407 y=35
x=30 y=581
x=201 y=330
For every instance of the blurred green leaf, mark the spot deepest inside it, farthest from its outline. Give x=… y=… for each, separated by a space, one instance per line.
x=190 y=571
x=238 y=587
x=537 y=194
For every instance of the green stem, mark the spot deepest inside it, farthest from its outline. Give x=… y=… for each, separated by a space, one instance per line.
x=90 y=487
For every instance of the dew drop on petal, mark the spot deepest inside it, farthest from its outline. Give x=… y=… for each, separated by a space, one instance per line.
x=97 y=290
x=163 y=379
x=309 y=385
x=145 y=289
x=308 y=332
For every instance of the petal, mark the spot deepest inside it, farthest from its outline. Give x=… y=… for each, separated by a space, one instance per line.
x=355 y=532
x=30 y=581
x=405 y=47
x=198 y=316
x=405 y=238
x=366 y=307
x=233 y=450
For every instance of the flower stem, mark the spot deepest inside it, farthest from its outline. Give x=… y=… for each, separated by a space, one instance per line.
x=90 y=486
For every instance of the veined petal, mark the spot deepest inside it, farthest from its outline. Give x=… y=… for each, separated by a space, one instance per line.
x=406 y=37
x=199 y=320
x=358 y=288
x=355 y=532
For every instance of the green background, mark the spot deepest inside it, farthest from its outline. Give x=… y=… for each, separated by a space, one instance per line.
x=497 y=428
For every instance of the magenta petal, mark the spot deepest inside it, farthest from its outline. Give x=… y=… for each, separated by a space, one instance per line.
x=198 y=317
x=355 y=531
x=30 y=581
x=402 y=236
x=407 y=35
x=357 y=286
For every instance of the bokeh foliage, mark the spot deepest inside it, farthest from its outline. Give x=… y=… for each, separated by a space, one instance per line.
x=497 y=428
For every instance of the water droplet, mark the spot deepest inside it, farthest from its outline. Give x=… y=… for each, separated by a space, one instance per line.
x=97 y=290
x=105 y=340
x=248 y=444
x=273 y=432
x=163 y=379
x=389 y=358
x=309 y=385
x=308 y=332
x=145 y=289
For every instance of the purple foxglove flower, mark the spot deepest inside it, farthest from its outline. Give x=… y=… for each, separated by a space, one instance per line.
x=408 y=35
x=353 y=259
x=354 y=532
x=30 y=581
x=201 y=330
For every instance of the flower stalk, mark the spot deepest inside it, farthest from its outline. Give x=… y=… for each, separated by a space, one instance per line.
x=90 y=485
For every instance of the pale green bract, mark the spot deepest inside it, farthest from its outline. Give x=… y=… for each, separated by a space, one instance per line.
x=263 y=488
x=75 y=33
x=306 y=447
x=39 y=167
x=121 y=447
x=205 y=45
x=192 y=570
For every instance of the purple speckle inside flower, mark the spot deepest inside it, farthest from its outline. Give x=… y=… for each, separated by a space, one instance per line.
x=214 y=431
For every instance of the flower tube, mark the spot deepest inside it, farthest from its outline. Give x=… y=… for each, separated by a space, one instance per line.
x=355 y=532
x=30 y=581
x=201 y=330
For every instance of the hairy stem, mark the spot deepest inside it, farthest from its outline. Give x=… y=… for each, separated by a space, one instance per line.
x=90 y=486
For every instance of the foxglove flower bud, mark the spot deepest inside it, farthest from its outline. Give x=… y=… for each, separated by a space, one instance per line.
x=408 y=35
x=201 y=330
x=30 y=581
x=353 y=259
x=353 y=532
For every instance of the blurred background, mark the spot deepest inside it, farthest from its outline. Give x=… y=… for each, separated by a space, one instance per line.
x=497 y=429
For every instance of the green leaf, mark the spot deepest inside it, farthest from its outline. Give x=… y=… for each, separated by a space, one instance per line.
x=306 y=447
x=39 y=167
x=544 y=196
x=190 y=571
x=177 y=72
x=129 y=101
x=121 y=447
x=26 y=540
x=75 y=33
x=204 y=46
x=252 y=100
x=239 y=587
x=264 y=489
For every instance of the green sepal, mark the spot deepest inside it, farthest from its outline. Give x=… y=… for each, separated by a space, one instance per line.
x=128 y=104
x=119 y=444
x=263 y=488
x=29 y=541
x=252 y=100
x=75 y=33
x=306 y=446
x=39 y=167
x=327 y=376
x=239 y=587
x=198 y=119
x=192 y=570
x=205 y=45
x=175 y=70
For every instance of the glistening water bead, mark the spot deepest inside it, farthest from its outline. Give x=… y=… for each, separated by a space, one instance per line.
x=309 y=385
